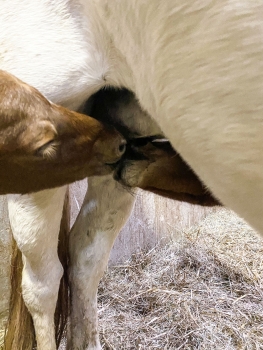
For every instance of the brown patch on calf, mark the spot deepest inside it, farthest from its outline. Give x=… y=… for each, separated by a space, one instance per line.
x=162 y=171
x=43 y=145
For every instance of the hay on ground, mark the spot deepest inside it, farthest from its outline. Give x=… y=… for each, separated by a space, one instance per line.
x=204 y=292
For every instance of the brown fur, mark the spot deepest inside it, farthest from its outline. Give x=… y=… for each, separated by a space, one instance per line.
x=62 y=309
x=20 y=330
x=164 y=172
x=20 y=334
x=43 y=145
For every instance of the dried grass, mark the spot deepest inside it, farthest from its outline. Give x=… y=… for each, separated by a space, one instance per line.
x=204 y=292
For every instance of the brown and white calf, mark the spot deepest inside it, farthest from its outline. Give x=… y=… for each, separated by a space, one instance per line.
x=152 y=166
x=43 y=145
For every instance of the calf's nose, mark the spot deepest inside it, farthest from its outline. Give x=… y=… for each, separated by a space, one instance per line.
x=116 y=149
x=110 y=146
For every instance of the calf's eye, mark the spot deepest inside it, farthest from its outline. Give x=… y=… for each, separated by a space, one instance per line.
x=48 y=150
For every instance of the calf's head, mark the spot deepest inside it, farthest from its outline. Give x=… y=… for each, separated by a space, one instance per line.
x=43 y=145
x=156 y=167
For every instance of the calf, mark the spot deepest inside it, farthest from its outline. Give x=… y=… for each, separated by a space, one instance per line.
x=43 y=145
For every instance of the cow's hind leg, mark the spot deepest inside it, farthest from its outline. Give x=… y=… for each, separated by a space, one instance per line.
x=105 y=210
x=35 y=221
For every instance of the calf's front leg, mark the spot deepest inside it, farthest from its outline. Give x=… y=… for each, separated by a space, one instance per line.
x=35 y=222
x=106 y=208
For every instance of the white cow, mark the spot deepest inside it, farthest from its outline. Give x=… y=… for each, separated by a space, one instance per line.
x=196 y=68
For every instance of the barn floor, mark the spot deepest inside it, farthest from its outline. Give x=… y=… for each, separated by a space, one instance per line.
x=203 y=292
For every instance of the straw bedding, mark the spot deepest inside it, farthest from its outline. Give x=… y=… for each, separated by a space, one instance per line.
x=204 y=291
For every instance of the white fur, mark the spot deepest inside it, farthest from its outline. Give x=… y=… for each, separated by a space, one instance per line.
x=196 y=67
x=35 y=222
x=49 y=45
x=106 y=208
